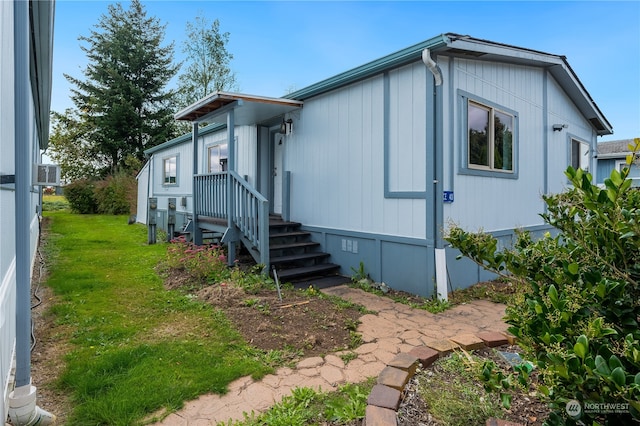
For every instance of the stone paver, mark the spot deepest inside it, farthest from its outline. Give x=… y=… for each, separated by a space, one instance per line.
x=425 y=355
x=377 y=416
x=493 y=338
x=468 y=341
x=394 y=378
x=394 y=329
x=406 y=362
x=443 y=346
x=385 y=397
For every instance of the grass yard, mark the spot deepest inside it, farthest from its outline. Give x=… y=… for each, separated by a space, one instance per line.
x=133 y=346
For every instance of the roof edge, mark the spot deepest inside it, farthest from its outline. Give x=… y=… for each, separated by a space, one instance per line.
x=406 y=55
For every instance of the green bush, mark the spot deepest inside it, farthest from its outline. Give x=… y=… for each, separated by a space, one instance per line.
x=81 y=196
x=116 y=194
x=113 y=194
x=578 y=321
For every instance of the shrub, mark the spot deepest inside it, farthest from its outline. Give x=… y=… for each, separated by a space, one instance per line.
x=113 y=195
x=81 y=196
x=205 y=264
x=578 y=320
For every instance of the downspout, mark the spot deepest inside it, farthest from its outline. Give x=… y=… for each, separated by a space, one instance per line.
x=22 y=400
x=438 y=159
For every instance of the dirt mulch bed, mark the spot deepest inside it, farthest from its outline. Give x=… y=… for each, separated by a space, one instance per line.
x=305 y=324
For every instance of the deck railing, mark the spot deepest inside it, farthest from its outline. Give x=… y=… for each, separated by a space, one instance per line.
x=250 y=210
x=212 y=195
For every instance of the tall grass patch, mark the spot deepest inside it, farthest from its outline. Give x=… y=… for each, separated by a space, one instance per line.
x=136 y=347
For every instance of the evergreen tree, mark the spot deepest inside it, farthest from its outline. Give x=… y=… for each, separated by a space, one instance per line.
x=123 y=100
x=207 y=62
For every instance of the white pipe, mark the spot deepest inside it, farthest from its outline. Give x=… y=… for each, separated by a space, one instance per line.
x=23 y=410
x=441 y=274
x=433 y=67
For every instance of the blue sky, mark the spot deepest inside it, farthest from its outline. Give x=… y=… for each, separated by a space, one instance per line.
x=283 y=45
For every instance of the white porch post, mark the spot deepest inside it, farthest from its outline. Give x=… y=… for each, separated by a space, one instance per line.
x=197 y=234
x=231 y=165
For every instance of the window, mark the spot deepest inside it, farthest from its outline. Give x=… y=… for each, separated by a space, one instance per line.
x=169 y=170
x=490 y=138
x=218 y=157
x=579 y=155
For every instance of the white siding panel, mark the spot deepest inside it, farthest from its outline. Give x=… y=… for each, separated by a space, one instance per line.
x=7 y=203
x=562 y=111
x=493 y=203
x=337 y=167
x=247 y=148
x=143 y=193
x=407 y=134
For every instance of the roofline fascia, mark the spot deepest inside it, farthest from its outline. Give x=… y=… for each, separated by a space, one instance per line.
x=613 y=155
x=404 y=56
x=185 y=138
x=587 y=96
x=551 y=61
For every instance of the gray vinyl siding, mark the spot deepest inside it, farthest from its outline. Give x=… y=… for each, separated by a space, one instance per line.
x=562 y=111
x=336 y=158
x=142 y=196
x=606 y=165
x=407 y=130
x=246 y=138
x=7 y=201
x=496 y=203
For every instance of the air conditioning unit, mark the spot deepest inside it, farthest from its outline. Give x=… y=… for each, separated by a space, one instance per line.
x=46 y=174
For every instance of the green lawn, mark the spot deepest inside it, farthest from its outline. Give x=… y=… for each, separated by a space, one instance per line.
x=135 y=347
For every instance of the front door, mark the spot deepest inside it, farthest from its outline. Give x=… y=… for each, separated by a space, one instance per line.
x=277 y=171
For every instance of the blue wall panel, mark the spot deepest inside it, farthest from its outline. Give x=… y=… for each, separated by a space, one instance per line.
x=404 y=267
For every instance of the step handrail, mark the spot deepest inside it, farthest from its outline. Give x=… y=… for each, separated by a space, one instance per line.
x=250 y=209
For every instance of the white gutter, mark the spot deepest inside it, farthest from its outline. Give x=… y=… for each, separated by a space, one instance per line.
x=432 y=66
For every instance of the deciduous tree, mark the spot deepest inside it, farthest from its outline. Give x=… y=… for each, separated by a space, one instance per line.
x=206 y=68
x=70 y=148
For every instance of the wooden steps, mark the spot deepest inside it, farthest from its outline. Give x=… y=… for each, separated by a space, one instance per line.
x=295 y=256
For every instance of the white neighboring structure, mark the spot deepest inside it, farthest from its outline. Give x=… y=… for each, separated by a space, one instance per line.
x=26 y=47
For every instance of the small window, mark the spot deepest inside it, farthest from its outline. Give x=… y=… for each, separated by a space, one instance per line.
x=218 y=158
x=579 y=155
x=490 y=138
x=170 y=170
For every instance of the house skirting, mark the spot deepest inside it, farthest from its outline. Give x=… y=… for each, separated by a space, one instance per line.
x=406 y=264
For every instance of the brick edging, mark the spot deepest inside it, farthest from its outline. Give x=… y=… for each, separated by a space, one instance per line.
x=386 y=395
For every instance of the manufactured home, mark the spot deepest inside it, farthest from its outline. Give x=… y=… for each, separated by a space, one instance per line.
x=26 y=31
x=371 y=166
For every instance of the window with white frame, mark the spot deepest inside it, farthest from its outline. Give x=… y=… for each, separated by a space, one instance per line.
x=218 y=155
x=490 y=138
x=579 y=155
x=170 y=170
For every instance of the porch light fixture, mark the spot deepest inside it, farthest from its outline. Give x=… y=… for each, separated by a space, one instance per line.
x=559 y=127
x=286 y=127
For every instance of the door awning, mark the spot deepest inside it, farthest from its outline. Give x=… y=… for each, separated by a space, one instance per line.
x=249 y=109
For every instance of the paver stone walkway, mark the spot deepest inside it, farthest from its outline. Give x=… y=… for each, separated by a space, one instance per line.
x=393 y=329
